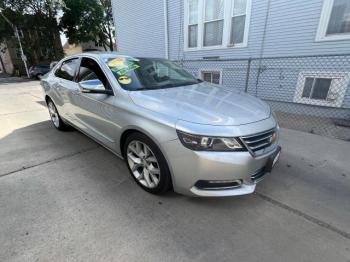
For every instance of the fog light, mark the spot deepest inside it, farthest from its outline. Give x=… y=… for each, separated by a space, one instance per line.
x=218 y=184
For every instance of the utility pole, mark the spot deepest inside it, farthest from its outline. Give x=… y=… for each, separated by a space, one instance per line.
x=24 y=58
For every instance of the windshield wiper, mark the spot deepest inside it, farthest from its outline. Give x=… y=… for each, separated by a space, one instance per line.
x=168 y=86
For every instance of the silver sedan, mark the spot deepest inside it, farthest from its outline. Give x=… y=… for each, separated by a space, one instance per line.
x=173 y=130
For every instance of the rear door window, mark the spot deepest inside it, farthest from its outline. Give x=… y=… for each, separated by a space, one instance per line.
x=67 y=69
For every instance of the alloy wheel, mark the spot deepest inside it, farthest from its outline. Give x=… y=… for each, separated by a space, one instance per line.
x=53 y=114
x=143 y=164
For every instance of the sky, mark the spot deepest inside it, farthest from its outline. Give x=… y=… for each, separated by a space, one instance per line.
x=62 y=35
x=63 y=38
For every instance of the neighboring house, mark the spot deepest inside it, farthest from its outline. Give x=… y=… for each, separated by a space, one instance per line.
x=91 y=45
x=41 y=45
x=294 y=54
x=6 y=65
x=71 y=49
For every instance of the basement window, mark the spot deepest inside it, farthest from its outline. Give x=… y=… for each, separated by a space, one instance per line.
x=211 y=77
x=321 y=88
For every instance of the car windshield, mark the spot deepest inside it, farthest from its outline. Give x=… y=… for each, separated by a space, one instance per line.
x=148 y=73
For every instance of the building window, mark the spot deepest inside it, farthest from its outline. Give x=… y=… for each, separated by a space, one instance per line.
x=335 y=21
x=211 y=76
x=239 y=13
x=213 y=22
x=321 y=88
x=192 y=23
x=316 y=88
x=216 y=23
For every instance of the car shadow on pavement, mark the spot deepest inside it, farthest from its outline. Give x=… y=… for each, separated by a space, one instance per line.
x=42 y=103
x=40 y=144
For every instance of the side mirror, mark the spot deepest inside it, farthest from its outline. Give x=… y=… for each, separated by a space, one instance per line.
x=52 y=64
x=94 y=86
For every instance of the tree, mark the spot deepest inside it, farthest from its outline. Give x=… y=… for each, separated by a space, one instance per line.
x=45 y=12
x=108 y=24
x=32 y=15
x=88 y=20
x=47 y=8
x=5 y=29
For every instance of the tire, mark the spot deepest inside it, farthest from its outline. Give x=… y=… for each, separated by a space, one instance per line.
x=39 y=76
x=55 y=117
x=151 y=162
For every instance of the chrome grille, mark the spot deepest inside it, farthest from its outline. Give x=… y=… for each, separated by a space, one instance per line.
x=259 y=141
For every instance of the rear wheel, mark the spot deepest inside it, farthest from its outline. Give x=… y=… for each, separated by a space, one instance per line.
x=55 y=117
x=147 y=164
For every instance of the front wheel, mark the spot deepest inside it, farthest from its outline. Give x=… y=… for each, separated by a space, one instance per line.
x=147 y=164
x=55 y=117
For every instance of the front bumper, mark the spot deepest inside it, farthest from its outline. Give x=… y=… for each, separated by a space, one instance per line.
x=189 y=167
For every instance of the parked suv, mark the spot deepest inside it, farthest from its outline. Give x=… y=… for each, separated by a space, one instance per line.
x=173 y=130
x=37 y=71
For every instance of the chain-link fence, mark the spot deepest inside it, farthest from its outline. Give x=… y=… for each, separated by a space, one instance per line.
x=307 y=93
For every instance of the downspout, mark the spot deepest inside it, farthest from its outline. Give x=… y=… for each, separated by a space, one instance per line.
x=166 y=31
x=262 y=47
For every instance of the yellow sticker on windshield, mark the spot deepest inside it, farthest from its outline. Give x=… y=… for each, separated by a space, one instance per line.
x=125 y=80
x=122 y=65
x=116 y=62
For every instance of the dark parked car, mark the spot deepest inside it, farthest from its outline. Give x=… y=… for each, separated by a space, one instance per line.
x=37 y=71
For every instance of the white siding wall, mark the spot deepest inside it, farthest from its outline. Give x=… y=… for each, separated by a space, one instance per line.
x=140 y=27
x=291 y=30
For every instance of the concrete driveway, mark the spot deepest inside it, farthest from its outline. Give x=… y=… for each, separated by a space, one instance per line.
x=65 y=198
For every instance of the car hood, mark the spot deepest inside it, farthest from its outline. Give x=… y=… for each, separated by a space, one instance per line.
x=204 y=103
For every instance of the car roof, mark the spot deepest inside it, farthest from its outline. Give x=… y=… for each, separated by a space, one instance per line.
x=105 y=55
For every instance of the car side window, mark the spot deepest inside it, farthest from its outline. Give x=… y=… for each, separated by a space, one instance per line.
x=90 y=70
x=67 y=69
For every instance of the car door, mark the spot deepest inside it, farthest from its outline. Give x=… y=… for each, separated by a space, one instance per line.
x=65 y=87
x=94 y=111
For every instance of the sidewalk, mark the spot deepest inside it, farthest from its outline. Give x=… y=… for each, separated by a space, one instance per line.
x=5 y=79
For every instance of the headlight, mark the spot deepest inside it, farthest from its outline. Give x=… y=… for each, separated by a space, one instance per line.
x=208 y=143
